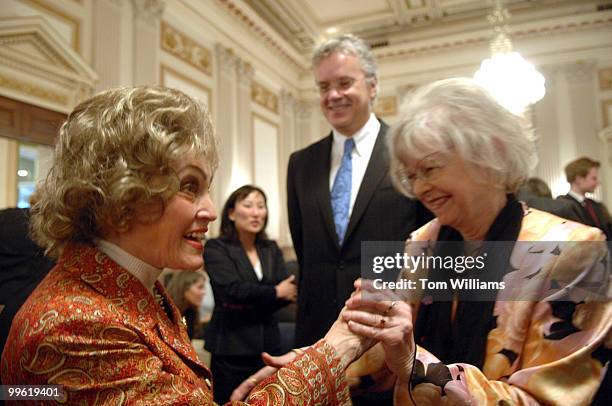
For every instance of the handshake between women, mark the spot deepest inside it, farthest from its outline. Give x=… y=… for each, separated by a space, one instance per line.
x=370 y=316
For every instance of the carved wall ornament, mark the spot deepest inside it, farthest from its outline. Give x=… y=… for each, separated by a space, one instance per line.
x=264 y=97
x=25 y=43
x=246 y=72
x=304 y=109
x=386 y=106
x=605 y=79
x=579 y=72
x=33 y=90
x=186 y=49
x=288 y=100
x=228 y=61
x=149 y=11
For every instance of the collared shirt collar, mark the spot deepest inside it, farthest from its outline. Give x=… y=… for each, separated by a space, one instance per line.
x=577 y=196
x=145 y=273
x=361 y=138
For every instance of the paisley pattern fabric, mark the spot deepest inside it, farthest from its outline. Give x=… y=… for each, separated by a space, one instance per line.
x=95 y=329
x=539 y=352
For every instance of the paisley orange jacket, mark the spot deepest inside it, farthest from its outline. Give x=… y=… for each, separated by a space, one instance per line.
x=93 y=328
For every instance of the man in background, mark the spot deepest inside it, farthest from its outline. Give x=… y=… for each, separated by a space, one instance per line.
x=339 y=191
x=22 y=265
x=536 y=193
x=583 y=176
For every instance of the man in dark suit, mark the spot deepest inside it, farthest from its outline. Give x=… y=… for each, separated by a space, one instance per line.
x=22 y=266
x=338 y=189
x=583 y=176
x=536 y=193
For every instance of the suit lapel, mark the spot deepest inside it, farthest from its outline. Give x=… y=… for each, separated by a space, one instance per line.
x=243 y=264
x=585 y=216
x=321 y=180
x=374 y=174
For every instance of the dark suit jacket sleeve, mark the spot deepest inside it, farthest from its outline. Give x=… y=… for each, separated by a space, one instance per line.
x=293 y=209
x=226 y=278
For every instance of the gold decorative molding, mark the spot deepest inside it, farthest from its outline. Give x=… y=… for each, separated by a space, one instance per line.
x=235 y=9
x=606 y=110
x=554 y=27
x=74 y=22
x=605 y=79
x=386 y=106
x=33 y=90
x=264 y=97
x=186 y=49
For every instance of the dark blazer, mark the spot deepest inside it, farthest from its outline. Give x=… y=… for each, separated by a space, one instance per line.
x=327 y=271
x=600 y=210
x=22 y=265
x=242 y=322
x=557 y=207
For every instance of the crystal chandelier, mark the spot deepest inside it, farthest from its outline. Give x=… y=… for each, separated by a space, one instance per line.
x=513 y=81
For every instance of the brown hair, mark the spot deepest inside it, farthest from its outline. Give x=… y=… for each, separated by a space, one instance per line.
x=537 y=187
x=579 y=167
x=179 y=283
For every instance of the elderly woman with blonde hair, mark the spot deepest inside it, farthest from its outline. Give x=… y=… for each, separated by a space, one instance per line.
x=538 y=336
x=128 y=195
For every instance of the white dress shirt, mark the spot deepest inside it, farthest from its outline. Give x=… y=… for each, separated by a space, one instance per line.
x=577 y=196
x=258 y=270
x=364 y=139
x=145 y=273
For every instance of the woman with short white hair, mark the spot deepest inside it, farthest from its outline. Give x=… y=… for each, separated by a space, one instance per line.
x=464 y=156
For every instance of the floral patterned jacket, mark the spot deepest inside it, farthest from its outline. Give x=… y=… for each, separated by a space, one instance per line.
x=539 y=352
x=93 y=328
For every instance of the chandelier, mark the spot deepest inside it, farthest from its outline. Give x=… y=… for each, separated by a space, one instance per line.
x=512 y=80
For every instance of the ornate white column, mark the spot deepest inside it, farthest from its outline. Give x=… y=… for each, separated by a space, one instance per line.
x=244 y=148
x=146 y=34
x=287 y=144
x=305 y=131
x=580 y=77
x=581 y=82
x=605 y=136
x=566 y=121
x=225 y=122
x=546 y=125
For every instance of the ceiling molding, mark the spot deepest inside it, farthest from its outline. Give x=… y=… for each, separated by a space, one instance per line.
x=271 y=38
x=554 y=26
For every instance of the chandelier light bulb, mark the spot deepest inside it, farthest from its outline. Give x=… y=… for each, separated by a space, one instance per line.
x=513 y=81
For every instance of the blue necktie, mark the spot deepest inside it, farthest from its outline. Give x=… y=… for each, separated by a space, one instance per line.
x=341 y=191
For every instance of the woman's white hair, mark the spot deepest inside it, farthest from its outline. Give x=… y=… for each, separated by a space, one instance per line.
x=458 y=114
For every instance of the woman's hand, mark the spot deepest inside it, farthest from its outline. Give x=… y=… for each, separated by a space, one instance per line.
x=286 y=289
x=377 y=315
x=273 y=364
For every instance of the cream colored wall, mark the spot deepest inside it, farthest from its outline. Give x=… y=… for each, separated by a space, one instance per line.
x=226 y=58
